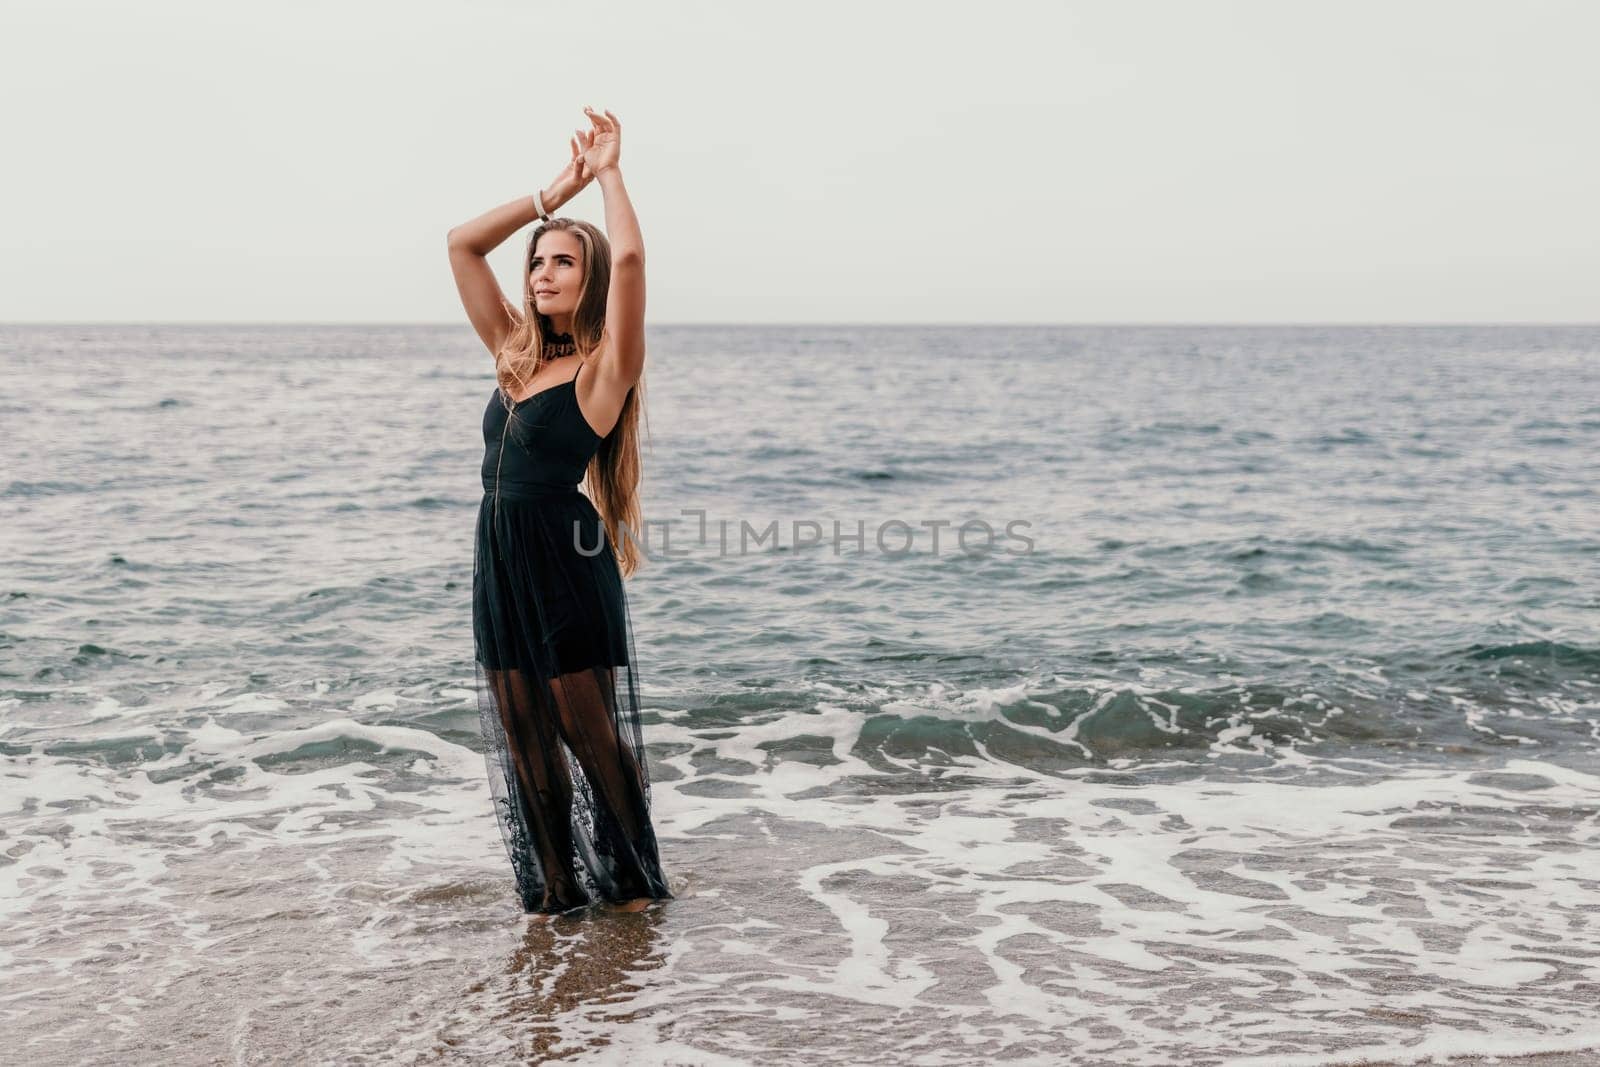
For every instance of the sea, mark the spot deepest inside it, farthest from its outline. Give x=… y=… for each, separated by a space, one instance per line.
x=1133 y=695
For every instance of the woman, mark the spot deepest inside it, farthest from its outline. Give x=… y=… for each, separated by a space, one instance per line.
x=558 y=699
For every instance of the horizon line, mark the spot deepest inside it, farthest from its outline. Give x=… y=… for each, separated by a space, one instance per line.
x=842 y=324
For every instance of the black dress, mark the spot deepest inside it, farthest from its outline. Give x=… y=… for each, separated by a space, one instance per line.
x=558 y=700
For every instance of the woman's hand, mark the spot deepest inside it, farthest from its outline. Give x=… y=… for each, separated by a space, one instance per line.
x=573 y=177
x=602 y=142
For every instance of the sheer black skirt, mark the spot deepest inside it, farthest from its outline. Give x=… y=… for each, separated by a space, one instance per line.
x=558 y=703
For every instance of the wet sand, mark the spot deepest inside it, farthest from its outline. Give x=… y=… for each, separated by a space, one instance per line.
x=1586 y=1058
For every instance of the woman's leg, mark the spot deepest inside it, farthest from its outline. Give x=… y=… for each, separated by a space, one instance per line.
x=584 y=706
x=545 y=784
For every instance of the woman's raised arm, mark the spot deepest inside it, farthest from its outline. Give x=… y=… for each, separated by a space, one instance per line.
x=625 y=298
x=490 y=313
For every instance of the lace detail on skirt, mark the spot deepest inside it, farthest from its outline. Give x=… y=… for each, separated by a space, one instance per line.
x=558 y=704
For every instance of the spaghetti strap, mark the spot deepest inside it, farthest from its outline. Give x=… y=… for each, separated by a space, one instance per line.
x=579 y=370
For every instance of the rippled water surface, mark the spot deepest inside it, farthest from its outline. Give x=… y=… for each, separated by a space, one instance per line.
x=1247 y=709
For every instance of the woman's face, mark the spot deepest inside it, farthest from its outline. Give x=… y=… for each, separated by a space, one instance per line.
x=556 y=273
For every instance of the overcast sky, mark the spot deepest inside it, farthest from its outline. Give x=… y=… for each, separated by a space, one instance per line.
x=1119 y=161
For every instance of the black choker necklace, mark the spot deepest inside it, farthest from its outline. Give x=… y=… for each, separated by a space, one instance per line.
x=560 y=340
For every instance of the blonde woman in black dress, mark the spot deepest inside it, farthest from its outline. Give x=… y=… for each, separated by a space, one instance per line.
x=558 y=698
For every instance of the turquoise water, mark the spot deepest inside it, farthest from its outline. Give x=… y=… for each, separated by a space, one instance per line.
x=1267 y=724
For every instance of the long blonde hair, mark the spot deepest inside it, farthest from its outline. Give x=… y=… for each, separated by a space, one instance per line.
x=612 y=478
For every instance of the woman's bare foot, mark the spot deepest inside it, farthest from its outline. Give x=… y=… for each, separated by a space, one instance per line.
x=637 y=904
